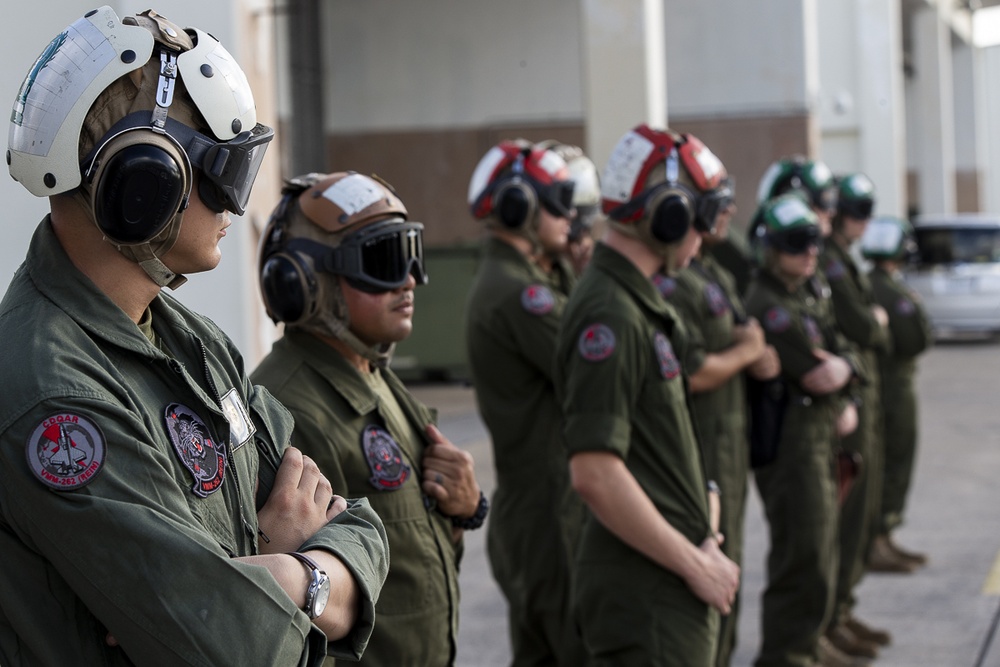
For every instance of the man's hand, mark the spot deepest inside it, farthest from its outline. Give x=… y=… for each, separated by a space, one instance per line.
x=881 y=316
x=831 y=375
x=767 y=367
x=847 y=420
x=301 y=502
x=449 y=476
x=751 y=335
x=718 y=579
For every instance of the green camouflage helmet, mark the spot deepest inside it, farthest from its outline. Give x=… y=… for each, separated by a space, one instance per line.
x=797 y=174
x=888 y=237
x=855 y=196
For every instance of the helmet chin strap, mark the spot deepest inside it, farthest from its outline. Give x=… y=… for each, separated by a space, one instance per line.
x=146 y=255
x=639 y=231
x=333 y=320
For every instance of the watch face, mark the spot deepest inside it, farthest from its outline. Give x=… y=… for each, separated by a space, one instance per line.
x=322 y=596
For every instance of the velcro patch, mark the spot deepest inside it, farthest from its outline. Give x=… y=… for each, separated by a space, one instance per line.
x=777 y=320
x=194 y=446
x=66 y=451
x=835 y=270
x=905 y=307
x=812 y=331
x=669 y=366
x=596 y=342
x=385 y=459
x=665 y=284
x=537 y=299
x=717 y=302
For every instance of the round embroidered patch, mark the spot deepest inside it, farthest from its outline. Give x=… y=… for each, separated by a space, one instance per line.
x=777 y=320
x=537 y=299
x=812 y=331
x=669 y=366
x=665 y=284
x=66 y=451
x=385 y=459
x=717 y=302
x=596 y=342
x=905 y=307
x=194 y=446
x=835 y=270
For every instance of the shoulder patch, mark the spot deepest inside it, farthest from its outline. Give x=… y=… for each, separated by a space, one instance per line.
x=384 y=457
x=716 y=300
x=835 y=270
x=596 y=342
x=66 y=451
x=194 y=446
x=669 y=366
x=665 y=285
x=777 y=320
x=905 y=307
x=537 y=299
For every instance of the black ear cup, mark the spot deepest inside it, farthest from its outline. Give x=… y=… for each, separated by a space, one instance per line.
x=515 y=203
x=141 y=182
x=673 y=214
x=288 y=288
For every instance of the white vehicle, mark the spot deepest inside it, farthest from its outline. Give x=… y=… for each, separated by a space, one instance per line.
x=957 y=271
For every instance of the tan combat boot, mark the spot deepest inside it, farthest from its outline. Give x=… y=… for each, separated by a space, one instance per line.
x=862 y=630
x=914 y=557
x=831 y=656
x=847 y=642
x=883 y=558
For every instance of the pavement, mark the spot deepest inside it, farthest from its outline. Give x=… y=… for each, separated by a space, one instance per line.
x=944 y=615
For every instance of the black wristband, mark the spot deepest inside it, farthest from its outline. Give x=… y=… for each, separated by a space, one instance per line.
x=477 y=519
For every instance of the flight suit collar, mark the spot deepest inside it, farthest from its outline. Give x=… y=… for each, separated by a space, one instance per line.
x=622 y=271
x=505 y=252
x=57 y=278
x=331 y=365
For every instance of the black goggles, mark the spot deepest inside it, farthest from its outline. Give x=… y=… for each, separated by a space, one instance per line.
x=859 y=209
x=557 y=199
x=825 y=199
x=377 y=258
x=796 y=241
x=228 y=169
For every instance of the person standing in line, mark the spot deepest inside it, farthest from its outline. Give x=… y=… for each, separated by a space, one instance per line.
x=887 y=243
x=524 y=195
x=797 y=483
x=152 y=511
x=650 y=578
x=864 y=324
x=722 y=344
x=339 y=261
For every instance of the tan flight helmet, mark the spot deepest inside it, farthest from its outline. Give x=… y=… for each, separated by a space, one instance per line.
x=328 y=226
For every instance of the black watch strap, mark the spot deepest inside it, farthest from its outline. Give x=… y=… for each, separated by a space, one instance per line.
x=477 y=519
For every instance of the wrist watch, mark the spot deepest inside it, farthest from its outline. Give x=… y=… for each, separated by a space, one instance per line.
x=318 y=593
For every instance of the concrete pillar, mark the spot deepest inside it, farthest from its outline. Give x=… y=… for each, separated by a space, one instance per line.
x=624 y=70
x=934 y=109
x=991 y=139
x=881 y=101
x=970 y=127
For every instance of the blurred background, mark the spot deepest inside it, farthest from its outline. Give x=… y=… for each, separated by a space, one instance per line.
x=902 y=90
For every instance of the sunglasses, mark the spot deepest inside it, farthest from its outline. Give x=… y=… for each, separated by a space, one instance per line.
x=378 y=258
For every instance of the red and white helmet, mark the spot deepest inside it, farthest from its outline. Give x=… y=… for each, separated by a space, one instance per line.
x=518 y=162
x=626 y=178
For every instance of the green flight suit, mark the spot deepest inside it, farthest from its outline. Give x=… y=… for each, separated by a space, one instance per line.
x=512 y=318
x=910 y=334
x=623 y=392
x=734 y=254
x=126 y=492
x=798 y=486
x=707 y=300
x=370 y=442
x=852 y=299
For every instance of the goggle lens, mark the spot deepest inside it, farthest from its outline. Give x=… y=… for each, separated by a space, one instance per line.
x=797 y=241
x=231 y=168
